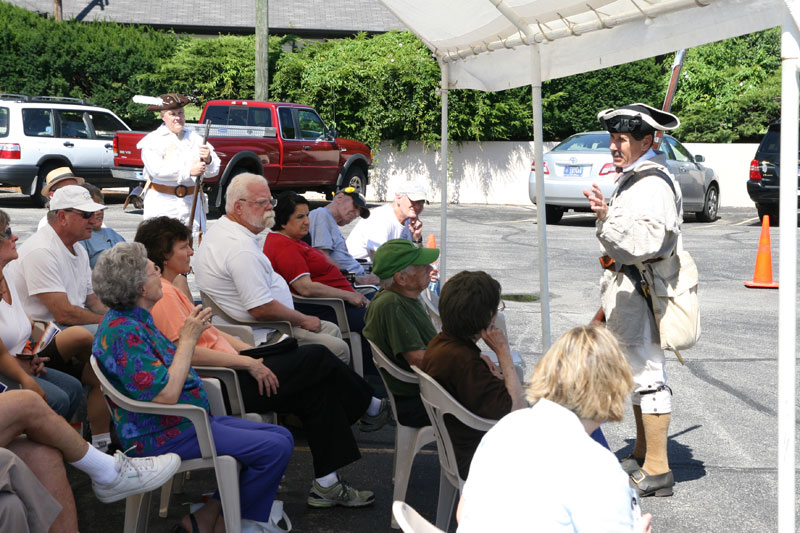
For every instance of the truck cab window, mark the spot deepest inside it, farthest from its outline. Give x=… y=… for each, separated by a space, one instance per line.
x=311 y=126
x=287 y=123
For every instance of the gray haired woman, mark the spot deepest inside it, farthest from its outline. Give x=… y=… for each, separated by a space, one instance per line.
x=144 y=365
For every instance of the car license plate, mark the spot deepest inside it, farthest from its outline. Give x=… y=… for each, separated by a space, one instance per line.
x=573 y=171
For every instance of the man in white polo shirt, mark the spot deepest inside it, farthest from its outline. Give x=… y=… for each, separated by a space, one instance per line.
x=397 y=220
x=231 y=268
x=52 y=274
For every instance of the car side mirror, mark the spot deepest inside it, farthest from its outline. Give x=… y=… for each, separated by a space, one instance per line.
x=699 y=159
x=332 y=133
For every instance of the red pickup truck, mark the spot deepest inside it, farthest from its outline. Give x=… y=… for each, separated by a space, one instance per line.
x=288 y=144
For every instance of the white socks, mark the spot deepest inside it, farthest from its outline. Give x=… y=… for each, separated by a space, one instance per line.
x=374 y=406
x=328 y=481
x=100 y=467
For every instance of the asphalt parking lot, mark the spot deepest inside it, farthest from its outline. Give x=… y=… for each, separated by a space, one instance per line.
x=723 y=437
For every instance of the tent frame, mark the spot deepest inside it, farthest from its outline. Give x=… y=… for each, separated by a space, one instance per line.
x=643 y=11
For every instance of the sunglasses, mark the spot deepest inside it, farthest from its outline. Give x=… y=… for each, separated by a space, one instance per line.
x=86 y=215
x=6 y=233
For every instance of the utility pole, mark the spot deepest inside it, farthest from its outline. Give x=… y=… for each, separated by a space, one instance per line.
x=57 y=10
x=262 y=49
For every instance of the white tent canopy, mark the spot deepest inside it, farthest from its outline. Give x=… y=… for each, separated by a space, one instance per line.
x=485 y=40
x=492 y=45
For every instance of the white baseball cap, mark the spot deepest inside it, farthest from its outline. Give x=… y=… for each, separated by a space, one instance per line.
x=74 y=197
x=413 y=190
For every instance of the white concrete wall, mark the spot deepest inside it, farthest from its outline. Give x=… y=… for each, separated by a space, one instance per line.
x=497 y=172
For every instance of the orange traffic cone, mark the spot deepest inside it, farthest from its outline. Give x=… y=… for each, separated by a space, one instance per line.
x=431 y=242
x=762 y=277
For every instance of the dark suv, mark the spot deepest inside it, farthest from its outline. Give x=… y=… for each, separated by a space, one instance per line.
x=764 y=183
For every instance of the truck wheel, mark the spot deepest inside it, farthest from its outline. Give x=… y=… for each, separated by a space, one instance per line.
x=553 y=213
x=771 y=210
x=711 y=206
x=357 y=179
x=36 y=194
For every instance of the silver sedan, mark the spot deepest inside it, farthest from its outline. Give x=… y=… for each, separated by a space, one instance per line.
x=584 y=158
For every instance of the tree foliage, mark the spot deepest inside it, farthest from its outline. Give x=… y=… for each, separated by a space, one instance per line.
x=95 y=60
x=730 y=90
x=384 y=87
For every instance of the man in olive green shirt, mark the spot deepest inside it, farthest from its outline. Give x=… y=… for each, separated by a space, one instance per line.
x=397 y=322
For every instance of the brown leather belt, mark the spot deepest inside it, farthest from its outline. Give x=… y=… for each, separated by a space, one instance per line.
x=610 y=264
x=180 y=191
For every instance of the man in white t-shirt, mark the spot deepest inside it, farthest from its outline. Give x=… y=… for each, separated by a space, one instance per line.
x=397 y=220
x=52 y=274
x=231 y=268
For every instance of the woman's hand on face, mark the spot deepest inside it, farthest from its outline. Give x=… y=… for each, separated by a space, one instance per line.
x=495 y=339
x=267 y=381
x=196 y=323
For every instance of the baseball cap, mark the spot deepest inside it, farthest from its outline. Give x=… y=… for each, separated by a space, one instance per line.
x=58 y=175
x=74 y=197
x=413 y=190
x=358 y=200
x=395 y=255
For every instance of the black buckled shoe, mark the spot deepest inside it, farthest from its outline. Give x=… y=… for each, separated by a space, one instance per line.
x=631 y=464
x=647 y=485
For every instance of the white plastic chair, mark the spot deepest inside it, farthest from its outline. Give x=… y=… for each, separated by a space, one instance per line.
x=225 y=466
x=408 y=441
x=438 y=403
x=225 y=318
x=410 y=520
x=353 y=337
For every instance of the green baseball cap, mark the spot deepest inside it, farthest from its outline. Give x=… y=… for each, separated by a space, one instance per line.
x=393 y=256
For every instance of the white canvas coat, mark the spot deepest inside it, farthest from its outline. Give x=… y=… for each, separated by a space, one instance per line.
x=643 y=222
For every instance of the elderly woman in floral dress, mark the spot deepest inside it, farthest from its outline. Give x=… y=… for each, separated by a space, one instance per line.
x=144 y=365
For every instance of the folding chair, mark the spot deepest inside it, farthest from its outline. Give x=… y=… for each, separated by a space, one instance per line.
x=438 y=403
x=410 y=520
x=225 y=466
x=353 y=337
x=408 y=441
x=225 y=318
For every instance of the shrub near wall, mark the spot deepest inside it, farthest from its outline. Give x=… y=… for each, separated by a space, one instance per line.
x=98 y=60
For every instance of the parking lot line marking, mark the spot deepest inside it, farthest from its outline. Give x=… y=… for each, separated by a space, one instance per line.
x=748 y=221
x=512 y=221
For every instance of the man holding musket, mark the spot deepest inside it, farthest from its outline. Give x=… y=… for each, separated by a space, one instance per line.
x=176 y=160
x=639 y=224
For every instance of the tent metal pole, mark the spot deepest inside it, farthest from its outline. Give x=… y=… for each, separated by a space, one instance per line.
x=787 y=315
x=444 y=153
x=541 y=217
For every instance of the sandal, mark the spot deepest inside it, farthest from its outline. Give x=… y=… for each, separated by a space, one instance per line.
x=178 y=528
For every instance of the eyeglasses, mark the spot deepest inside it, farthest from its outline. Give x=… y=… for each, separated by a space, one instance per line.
x=263 y=203
x=6 y=234
x=86 y=215
x=156 y=270
x=501 y=306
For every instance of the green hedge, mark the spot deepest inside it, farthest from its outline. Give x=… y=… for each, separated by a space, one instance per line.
x=382 y=87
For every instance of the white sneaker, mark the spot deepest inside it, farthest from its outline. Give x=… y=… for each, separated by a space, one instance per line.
x=278 y=521
x=136 y=475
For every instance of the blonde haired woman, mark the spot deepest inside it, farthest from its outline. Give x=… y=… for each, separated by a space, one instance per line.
x=538 y=469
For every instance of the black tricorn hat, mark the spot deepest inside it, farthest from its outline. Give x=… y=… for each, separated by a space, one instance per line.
x=170 y=101
x=635 y=118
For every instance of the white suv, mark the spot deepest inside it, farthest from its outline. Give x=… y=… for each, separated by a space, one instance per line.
x=38 y=134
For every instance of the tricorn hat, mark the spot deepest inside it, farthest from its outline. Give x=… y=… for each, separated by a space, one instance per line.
x=637 y=118
x=169 y=101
